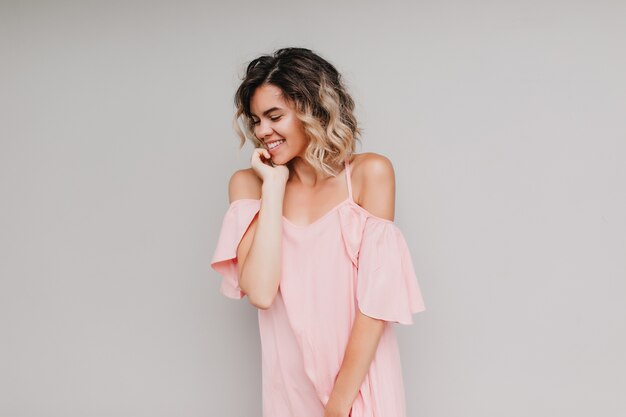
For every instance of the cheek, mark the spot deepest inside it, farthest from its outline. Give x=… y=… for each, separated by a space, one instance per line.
x=294 y=127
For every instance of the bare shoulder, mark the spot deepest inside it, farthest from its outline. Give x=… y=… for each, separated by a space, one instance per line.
x=244 y=183
x=374 y=176
x=373 y=165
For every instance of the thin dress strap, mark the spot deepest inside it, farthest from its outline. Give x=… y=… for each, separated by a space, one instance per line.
x=348 y=179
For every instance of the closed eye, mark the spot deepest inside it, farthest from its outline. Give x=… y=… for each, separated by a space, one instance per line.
x=273 y=119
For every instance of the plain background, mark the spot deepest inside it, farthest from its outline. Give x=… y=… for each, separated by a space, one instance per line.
x=505 y=122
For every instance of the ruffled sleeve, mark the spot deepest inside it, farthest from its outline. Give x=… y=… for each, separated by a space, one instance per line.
x=387 y=287
x=236 y=221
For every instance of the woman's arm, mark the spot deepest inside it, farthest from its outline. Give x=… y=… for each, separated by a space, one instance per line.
x=259 y=252
x=377 y=196
x=366 y=332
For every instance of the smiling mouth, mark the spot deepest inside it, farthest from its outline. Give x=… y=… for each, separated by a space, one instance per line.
x=274 y=144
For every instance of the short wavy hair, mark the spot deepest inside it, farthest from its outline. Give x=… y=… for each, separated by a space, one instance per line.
x=321 y=101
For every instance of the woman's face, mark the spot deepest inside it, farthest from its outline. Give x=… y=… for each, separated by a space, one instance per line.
x=275 y=121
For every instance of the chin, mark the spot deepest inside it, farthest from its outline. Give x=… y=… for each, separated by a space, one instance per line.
x=282 y=160
x=279 y=161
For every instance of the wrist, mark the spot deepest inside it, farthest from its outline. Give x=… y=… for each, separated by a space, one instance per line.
x=273 y=186
x=338 y=405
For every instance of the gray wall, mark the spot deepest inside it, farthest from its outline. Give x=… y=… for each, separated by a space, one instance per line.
x=504 y=121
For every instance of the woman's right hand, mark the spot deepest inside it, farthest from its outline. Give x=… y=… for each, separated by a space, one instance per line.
x=260 y=163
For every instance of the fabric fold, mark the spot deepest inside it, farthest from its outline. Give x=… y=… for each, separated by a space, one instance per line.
x=352 y=220
x=387 y=287
x=236 y=221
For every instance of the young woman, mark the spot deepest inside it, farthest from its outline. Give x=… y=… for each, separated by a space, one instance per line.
x=309 y=237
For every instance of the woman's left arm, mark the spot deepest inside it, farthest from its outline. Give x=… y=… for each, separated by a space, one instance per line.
x=362 y=345
x=377 y=195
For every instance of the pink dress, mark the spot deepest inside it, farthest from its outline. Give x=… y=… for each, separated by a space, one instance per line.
x=345 y=260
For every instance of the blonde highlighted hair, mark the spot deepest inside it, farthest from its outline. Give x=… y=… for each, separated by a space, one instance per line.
x=320 y=99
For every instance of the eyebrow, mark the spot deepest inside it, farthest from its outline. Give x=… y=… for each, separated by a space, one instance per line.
x=268 y=111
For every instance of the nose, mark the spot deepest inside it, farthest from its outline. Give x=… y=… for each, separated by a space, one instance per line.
x=263 y=130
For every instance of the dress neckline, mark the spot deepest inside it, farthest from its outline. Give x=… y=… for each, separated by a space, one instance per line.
x=346 y=170
x=346 y=201
x=328 y=213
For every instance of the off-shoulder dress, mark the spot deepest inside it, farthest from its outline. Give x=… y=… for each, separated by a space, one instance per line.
x=347 y=259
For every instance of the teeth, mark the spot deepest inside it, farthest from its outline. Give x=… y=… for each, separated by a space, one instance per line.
x=275 y=144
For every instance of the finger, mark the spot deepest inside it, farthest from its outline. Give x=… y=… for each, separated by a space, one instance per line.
x=256 y=156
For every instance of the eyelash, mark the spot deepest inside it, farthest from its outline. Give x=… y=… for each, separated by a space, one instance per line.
x=273 y=119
